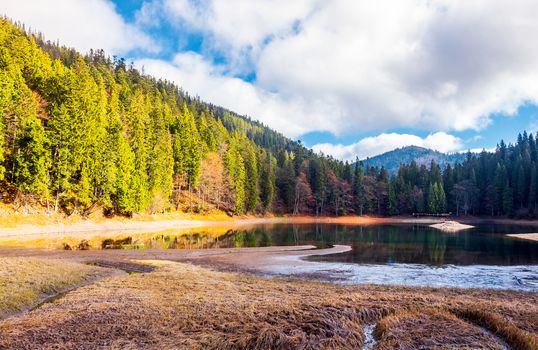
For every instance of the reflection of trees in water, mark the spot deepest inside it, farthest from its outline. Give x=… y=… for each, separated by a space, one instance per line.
x=436 y=248
x=371 y=244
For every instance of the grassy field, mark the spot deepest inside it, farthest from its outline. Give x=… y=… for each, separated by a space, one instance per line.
x=183 y=306
x=24 y=281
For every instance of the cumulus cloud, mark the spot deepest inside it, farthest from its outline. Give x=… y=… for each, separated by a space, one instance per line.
x=82 y=24
x=342 y=66
x=374 y=145
x=200 y=78
x=427 y=64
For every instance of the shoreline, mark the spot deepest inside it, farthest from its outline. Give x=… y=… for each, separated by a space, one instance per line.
x=158 y=223
x=161 y=224
x=301 y=262
x=526 y=236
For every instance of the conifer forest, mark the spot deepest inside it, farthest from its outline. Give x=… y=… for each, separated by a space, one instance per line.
x=80 y=132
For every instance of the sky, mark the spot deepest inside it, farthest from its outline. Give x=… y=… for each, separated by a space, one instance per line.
x=349 y=78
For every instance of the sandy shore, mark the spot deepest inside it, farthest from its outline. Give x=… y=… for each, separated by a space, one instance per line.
x=529 y=236
x=175 y=221
x=90 y=227
x=451 y=226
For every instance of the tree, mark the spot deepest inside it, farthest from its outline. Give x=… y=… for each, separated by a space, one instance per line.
x=508 y=200
x=31 y=159
x=392 y=199
x=187 y=147
x=267 y=181
x=161 y=161
x=212 y=182
x=286 y=182
x=465 y=196
x=251 y=173
x=533 y=189
x=138 y=120
x=303 y=195
x=358 y=190
x=318 y=182
x=235 y=167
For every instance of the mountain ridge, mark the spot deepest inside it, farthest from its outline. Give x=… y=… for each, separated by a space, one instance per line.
x=391 y=160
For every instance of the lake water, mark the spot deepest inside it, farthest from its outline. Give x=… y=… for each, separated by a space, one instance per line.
x=417 y=255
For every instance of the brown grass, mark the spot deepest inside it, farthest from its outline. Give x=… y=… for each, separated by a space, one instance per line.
x=518 y=338
x=430 y=328
x=182 y=306
x=23 y=281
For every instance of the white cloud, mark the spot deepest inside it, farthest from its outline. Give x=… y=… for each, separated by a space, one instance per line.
x=426 y=64
x=200 y=78
x=342 y=66
x=82 y=24
x=374 y=145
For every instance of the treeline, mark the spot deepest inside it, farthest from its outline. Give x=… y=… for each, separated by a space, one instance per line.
x=78 y=132
x=83 y=132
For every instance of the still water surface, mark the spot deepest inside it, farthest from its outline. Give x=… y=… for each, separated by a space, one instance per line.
x=482 y=257
x=408 y=244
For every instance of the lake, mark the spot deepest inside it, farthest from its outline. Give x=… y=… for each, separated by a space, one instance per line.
x=417 y=255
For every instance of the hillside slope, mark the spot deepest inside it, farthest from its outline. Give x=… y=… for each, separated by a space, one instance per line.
x=422 y=156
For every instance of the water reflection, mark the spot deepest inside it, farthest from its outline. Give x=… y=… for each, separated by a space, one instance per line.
x=379 y=244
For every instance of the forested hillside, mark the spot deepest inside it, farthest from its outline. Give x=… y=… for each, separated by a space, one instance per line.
x=422 y=156
x=79 y=133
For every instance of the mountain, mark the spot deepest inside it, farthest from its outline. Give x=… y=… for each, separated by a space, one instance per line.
x=422 y=156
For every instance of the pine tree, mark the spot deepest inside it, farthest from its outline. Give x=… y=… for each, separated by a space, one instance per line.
x=508 y=200
x=392 y=200
x=235 y=167
x=30 y=154
x=187 y=148
x=533 y=189
x=286 y=181
x=358 y=190
x=318 y=183
x=432 y=201
x=160 y=162
x=60 y=129
x=267 y=180
x=125 y=180
x=138 y=121
x=7 y=90
x=251 y=170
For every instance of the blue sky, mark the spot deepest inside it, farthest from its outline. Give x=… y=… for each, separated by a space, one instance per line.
x=349 y=78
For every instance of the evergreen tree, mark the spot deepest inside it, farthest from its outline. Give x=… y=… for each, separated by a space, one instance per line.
x=161 y=161
x=508 y=200
x=235 y=167
x=187 y=148
x=138 y=120
x=358 y=190
x=267 y=181
x=251 y=170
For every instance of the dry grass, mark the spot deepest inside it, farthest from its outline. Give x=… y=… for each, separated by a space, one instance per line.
x=182 y=306
x=23 y=281
x=426 y=329
x=518 y=338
